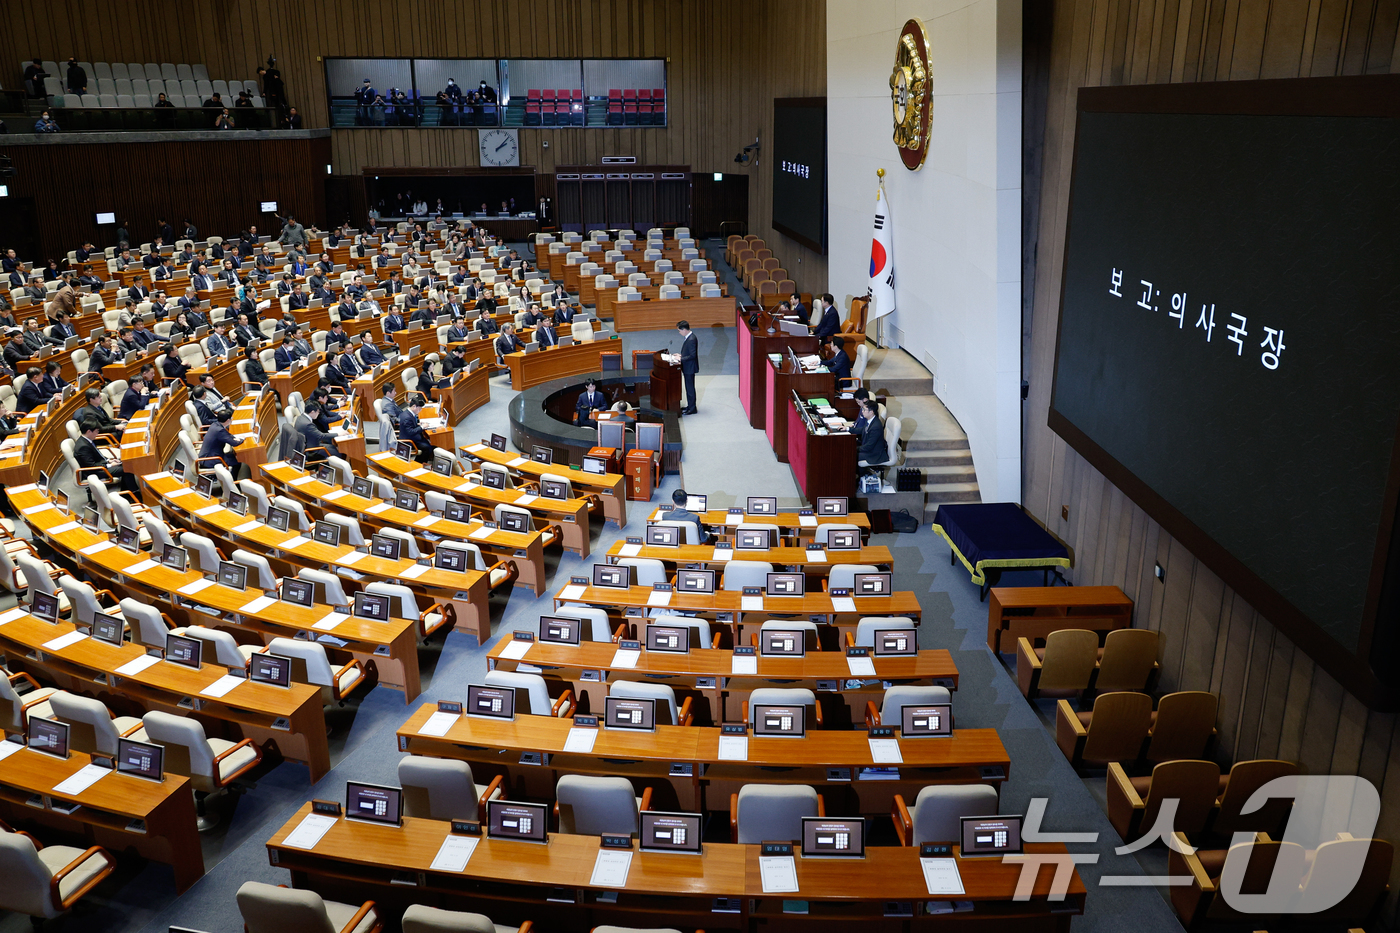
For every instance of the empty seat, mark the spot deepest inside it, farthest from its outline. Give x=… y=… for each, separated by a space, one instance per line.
x=1113 y=731
x=1062 y=668
x=184 y=72
x=419 y=918
x=107 y=100
x=1134 y=802
x=153 y=71
x=435 y=788
x=210 y=764
x=206 y=90
x=903 y=695
x=764 y=812
x=269 y=908
x=200 y=72
x=1128 y=659
x=32 y=875
x=106 y=86
x=92 y=728
x=938 y=811
x=91 y=100
x=125 y=100
x=310 y=665
x=590 y=806
x=1183 y=726
x=667 y=712
x=532 y=694
x=120 y=71
x=189 y=88
x=1235 y=789
x=169 y=72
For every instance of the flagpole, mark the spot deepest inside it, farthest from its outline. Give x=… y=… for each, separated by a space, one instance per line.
x=879 y=321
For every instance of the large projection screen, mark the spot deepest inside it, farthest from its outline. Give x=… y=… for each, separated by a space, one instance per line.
x=1228 y=350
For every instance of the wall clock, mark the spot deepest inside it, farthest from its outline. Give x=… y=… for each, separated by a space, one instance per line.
x=499 y=147
x=911 y=92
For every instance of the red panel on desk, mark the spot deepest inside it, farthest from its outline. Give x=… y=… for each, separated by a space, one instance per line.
x=797 y=448
x=770 y=405
x=745 y=364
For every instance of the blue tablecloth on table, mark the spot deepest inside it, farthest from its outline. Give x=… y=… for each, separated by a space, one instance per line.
x=997 y=535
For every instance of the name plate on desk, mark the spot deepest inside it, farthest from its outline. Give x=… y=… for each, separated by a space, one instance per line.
x=611 y=841
x=466 y=828
x=326 y=807
x=816 y=554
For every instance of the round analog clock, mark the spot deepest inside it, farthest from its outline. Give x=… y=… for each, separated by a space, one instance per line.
x=499 y=147
x=911 y=93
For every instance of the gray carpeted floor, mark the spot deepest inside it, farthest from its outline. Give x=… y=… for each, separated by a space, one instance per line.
x=727 y=459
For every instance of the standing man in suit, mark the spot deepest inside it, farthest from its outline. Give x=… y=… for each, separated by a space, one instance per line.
x=589 y=401
x=387 y=406
x=830 y=321
x=690 y=364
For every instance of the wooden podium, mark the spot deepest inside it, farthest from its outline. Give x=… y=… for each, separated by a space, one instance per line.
x=665 y=385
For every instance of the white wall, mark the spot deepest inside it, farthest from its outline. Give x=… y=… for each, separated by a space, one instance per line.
x=957 y=220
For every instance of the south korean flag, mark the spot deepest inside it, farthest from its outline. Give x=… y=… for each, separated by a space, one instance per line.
x=881 y=259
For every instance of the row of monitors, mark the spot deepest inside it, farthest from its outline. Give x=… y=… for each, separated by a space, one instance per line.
x=679 y=639
x=777 y=583
x=745 y=539
x=138 y=759
x=822 y=836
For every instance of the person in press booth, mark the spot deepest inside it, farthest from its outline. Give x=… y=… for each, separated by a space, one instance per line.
x=589 y=401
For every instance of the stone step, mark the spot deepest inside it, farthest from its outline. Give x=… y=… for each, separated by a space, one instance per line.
x=900 y=386
x=949 y=493
x=936 y=458
x=914 y=444
x=941 y=475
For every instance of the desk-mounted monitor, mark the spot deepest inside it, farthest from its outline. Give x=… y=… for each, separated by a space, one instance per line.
x=129 y=539
x=298 y=592
x=362 y=487
x=490 y=702
x=625 y=713
x=233 y=575
x=371 y=606
x=405 y=450
x=668 y=638
x=373 y=803
x=991 y=836
x=786 y=584
x=407 y=500
x=612 y=575
x=386 y=547
x=554 y=489
x=896 y=643
x=327 y=533
x=540 y=454
x=493 y=479
x=762 y=505
x=695 y=581
x=524 y=822
x=44 y=606
x=144 y=760
x=872 y=584
x=847 y=539
x=272 y=669
x=498 y=443
x=752 y=539
x=781 y=721
x=697 y=504
x=827 y=837
x=455 y=511
x=174 y=557
x=832 y=505
x=782 y=643
x=518 y=522
x=278 y=519
x=559 y=630
x=670 y=832
x=456 y=559
x=107 y=627
x=48 y=736
x=663 y=535
x=926 y=719
x=595 y=465
x=183 y=651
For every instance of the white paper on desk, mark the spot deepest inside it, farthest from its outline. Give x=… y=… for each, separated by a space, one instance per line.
x=779 y=874
x=177 y=493
x=732 y=519
x=481 y=533
x=30 y=487
x=97 y=548
x=137 y=665
x=133 y=446
x=516 y=649
x=941 y=875
x=257 y=605
x=222 y=686
x=302 y=480
x=625 y=657
x=12 y=615
x=9 y=748
x=438 y=724
x=379 y=507
x=81 y=779
x=38 y=508
x=65 y=527
x=885 y=752
x=580 y=741
x=454 y=854
x=807 y=521
x=721 y=554
x=572 y=591
x=189 y=589
x=246 y=527
x=816 y=557
x=63 y=641
x=843 y=604
x=382 y=456
x=140 y=566
x=275 y=465
x=416 y=571
x=733 y=748
x=426 y=521
x=413 y=474
x=751 y=603
x=860 y=667
x=349 y=560
x=209 y=510
x=518 y=461
x=295 y=541
x=309 y=831
x=743 y=664
x=630 y=550
x=659 y=598
x=330 y=621
x=335 y=494
x=611 y=867
x=477 y=448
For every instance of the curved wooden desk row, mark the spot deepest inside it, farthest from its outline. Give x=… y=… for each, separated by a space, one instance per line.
x=390 y=647
x=531 y=369
x=709 y=673
x=155 y=819
x=21 y=463
x=466 y=591
x=571 y=514
x=727 y=605
x=789 y=523
x=516 y=881
x=525 y=551
x=290 y=718
x=841 y=760
x=611 y=488
x=651 y=312
x=148 y=441
x=702 y=556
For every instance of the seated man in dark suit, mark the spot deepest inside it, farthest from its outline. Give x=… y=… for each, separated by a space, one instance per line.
x=840 y=363
x=508 y=342
x=428 y=314
x=369 y=353
x=336 y=338
x=872 y=439
x=486 y=324
x=135 y=399
x=253 y=372
x=92 y=408
x=174 y=367
x=142 y=337
x=457 y=333
x=90 y=459
x=315 y=437
x=545 y=335
x=60 y=332
x=286 y=354
x=411 y=430
x=244 y=332
x=589 y=401
x=32 y=395
x=830 y=321
x=201 y=407
x=297 y=299
x=15 y=351
x=455 y=362
x=335 y=374
x=393 y=321
x=679 y=514
x=563 y=314
x=795 y=306
x=218 y=342
x=532 y=316
x=220 y=442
